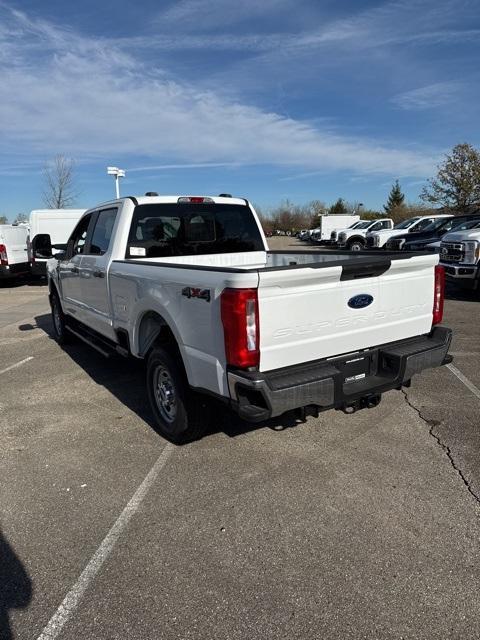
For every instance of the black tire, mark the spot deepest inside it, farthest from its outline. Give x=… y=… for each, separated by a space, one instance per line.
x=181 y=415
x=356 y=245
x=58 y=320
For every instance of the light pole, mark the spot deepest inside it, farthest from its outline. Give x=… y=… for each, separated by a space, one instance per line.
x=118 y=173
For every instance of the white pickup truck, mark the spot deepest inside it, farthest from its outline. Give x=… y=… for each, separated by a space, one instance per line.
x=378 y=239
x=188 y=284
x=355 y=239
x=460 y=255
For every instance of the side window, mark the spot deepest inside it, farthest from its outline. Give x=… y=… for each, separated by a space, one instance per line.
x=386 y=224
x=420 y=226
x=76 y=243
x=376 y=227
x=102 y=232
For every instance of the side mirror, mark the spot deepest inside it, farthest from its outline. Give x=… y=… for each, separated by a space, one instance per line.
x=42 y=246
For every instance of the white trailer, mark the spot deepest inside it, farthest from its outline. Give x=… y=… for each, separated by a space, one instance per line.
x=329 y=223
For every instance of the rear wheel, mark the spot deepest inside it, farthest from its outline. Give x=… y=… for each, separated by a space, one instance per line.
x=181 y=415
x=356 y=245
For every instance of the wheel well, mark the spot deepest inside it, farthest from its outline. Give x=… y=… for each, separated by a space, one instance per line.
x=356 y=239
x=154 y=330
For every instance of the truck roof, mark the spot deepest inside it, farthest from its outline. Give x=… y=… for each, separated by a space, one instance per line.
x=173 y=200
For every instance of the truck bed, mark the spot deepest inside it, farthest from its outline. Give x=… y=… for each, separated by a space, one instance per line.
x=274 y=260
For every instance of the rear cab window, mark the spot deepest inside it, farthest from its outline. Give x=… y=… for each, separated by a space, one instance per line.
x=184 y=229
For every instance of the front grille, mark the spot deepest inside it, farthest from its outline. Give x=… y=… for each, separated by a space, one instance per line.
x=395 y=244
x=452 y=251
x=342 y=237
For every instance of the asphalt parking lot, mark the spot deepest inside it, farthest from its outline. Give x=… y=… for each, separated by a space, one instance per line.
x=362 y=526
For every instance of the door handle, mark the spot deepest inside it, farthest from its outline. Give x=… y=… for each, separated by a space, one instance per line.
x=98 y=273
x=74 y=269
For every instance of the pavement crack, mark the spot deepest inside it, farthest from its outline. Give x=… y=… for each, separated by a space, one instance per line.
x=431 y=425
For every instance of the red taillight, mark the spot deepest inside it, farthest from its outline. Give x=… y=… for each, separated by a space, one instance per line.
x=438 y=294
x=241 y=327
x=3 y=255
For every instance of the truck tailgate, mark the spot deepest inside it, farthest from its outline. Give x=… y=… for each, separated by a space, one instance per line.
x=305 y=313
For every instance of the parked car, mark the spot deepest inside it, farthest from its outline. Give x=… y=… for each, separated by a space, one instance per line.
x=426 y=239
x=378 y=239
x=460 y=255
x=58 y=224
x=187 y=284
x=14 y=259
x=355 y=239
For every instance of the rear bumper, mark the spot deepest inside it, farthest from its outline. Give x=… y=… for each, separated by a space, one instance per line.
x=258 y=396
x=13 y=270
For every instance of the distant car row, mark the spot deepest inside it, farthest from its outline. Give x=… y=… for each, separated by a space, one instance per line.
x=16 y=255
x=455 y=238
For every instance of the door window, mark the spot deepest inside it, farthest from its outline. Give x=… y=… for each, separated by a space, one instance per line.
x=102 y=232
x=76 y=243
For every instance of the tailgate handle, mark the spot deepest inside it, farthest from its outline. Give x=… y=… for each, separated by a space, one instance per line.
x=354 y=271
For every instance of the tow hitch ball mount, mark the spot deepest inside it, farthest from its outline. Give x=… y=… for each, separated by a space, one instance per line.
x=367 y=402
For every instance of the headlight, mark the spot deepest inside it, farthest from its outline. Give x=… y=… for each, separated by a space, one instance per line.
x=471 y=252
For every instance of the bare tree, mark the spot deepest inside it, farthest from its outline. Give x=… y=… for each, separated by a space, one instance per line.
x=59 y=190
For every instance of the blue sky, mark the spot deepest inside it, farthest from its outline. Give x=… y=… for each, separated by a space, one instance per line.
x=270 y=99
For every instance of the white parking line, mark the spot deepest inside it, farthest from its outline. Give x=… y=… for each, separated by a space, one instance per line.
x=475 y=390
x=18 y=364
x=73 y=597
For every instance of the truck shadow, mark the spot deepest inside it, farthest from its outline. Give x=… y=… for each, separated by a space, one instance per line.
x=15 y=586
x=125 y=379
x=453 y=292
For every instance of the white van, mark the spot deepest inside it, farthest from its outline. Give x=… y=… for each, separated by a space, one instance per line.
x=13 y=251
x=58 y=224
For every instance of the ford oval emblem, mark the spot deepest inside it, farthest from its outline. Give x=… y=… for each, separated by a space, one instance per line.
x=360 y=301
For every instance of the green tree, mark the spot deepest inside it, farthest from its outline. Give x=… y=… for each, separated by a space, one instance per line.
x=3 y=220
x=338 y=207
x=457 y=183
x=395 y=199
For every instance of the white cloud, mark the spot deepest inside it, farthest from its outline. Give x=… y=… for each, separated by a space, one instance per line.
x=201 y=15
x=430 y=96
x=65 y=93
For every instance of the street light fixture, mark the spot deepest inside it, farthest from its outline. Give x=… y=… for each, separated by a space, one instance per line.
x=118 y=173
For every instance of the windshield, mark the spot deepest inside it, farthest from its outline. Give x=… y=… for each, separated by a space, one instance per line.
x=161 y=230
x=364 y=225
x=469 y=224
x=406 y=223
x=439 y=224
x=355 y=225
